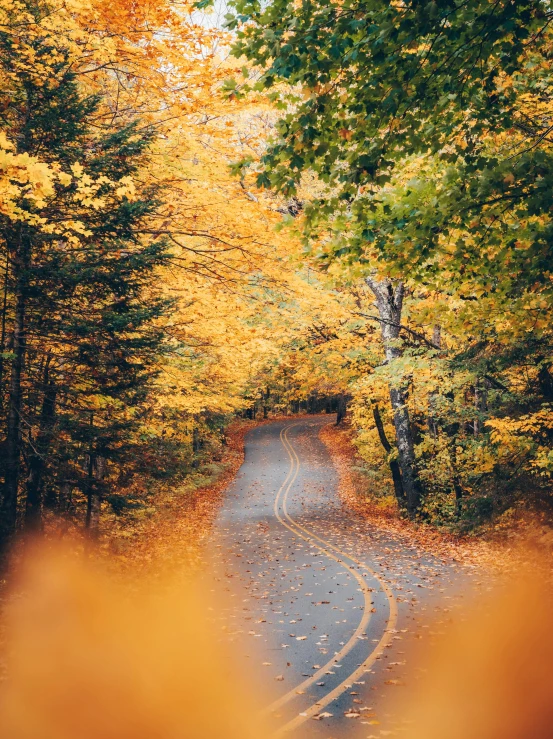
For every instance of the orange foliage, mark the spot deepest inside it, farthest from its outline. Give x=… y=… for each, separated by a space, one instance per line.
x=88 y=659
x=489 y=677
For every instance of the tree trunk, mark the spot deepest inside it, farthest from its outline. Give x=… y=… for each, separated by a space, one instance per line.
x=480 y=403
x=3 y=329
x=432 y=424
x=196 y=446
x=342 y=408
x=545 y=379
x=389 y=302
x=394 y=465
x=65 y=500
x=8 y=509
x=96 y=472
x=37 y=459
x=452 y=430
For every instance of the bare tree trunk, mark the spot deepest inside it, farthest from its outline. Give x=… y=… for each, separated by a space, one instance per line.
x=476 y=422
x=37 y=459
x=452 y=430
x=394 y=465
x=480 y=402
x=3 y=329
x=8 y=509
x=196 y=446
x=432 y=424
x=65 y=500
x=545 y=379
x=389 y=302
x=342 y=408
x=97 y=468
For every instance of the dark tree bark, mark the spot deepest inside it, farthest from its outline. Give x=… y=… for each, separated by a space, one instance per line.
x=196 y=446
x=480 y=402
x=452 y=430
x=432 y=423
x=545 y=379
x=3 y=329
x=96 y=465
x=96 y=473
x=266 y=398
x=37 y=458
x=389 y=302
x=12 y=467
x=342 y=408
x=394 y=465
x=65 y=500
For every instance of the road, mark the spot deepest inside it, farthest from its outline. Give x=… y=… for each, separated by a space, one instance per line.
x=319 y=603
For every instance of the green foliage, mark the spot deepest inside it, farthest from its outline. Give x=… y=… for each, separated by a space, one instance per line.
x=427 y=129
x=383 y=83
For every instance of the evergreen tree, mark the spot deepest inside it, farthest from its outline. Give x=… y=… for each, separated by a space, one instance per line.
x=80 y=310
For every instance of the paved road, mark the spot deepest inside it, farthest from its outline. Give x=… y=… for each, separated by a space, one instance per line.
x=319 y=603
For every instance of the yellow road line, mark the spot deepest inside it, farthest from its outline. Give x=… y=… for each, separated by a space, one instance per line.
x=366 y=592
x=310 y=536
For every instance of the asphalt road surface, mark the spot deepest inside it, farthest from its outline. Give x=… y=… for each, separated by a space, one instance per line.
x=319 y=603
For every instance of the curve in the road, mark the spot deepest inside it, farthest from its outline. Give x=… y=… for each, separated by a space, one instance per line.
x=293 y=526
x=327 y=548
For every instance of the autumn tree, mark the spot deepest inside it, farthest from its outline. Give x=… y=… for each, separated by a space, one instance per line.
x=428 y=128
x=79 y=298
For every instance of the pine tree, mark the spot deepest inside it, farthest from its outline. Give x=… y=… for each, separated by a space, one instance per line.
x=81 y=304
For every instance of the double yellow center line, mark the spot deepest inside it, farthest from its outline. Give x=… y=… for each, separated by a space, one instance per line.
x=334 y=553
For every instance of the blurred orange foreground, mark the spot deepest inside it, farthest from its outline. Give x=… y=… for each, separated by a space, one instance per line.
x=90 y=660
x=87 y=662
x=491 y=676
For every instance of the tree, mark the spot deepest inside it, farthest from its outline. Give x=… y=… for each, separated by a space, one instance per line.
x=80 y=297
x=427 y=128
x=389 y=302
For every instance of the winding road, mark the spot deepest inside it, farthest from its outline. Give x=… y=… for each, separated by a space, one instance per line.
x=320 y=604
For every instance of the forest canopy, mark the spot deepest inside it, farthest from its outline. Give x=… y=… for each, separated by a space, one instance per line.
x=311 y=206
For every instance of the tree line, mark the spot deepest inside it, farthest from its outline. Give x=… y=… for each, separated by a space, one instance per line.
x=137 y=272
x=79 y=304
x=417 y=136
x=403 y=151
